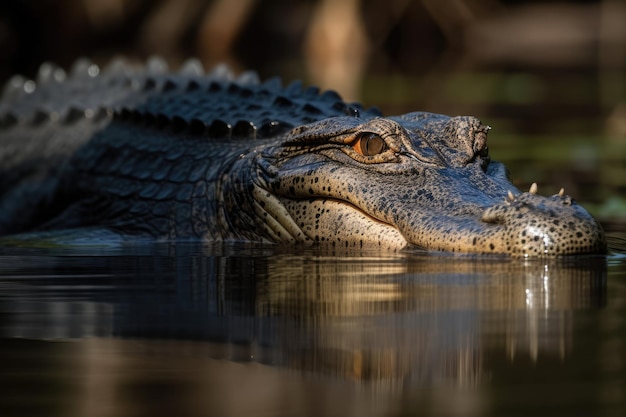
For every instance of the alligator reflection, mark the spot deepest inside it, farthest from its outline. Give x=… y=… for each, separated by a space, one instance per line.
x=430 y=319
x=396 y=320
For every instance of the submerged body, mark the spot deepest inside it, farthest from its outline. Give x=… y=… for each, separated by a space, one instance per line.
x=148 y=153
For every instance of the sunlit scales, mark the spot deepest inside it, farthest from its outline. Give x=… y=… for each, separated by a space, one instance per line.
x=532 y=233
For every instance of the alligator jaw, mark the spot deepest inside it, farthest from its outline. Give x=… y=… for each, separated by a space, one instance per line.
x=342 y=225
x=497 y=219
x=523 y=225
x=438 y=190
x=498 y=231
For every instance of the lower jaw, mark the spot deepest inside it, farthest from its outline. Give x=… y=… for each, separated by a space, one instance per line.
x=341 y=225
x=516 y=248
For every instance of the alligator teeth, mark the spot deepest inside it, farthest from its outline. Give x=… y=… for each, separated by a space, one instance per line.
x=510 y=196
x=561 y=192
x=533 y=188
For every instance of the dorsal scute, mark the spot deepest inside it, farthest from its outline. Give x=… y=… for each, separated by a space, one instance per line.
x=49 y=72
x=192 y=66
x=84 y=68
x=189 y=99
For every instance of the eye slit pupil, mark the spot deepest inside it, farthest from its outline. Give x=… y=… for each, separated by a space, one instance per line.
x=370 y=144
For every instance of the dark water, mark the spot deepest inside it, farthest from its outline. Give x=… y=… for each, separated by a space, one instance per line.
x=247 y=331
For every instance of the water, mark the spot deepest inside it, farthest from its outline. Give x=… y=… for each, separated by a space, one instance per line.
x=252 y=330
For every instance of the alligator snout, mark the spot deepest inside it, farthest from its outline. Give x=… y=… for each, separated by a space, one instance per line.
x=535 y=225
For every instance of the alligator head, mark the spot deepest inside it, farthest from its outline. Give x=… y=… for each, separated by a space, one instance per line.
x=419 y=179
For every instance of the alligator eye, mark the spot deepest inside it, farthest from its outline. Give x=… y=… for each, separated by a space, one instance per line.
x=369 y=144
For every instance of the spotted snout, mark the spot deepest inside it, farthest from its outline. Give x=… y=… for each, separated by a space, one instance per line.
x=531 y=225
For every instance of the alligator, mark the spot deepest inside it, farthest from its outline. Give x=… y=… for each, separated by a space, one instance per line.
x=144 y=152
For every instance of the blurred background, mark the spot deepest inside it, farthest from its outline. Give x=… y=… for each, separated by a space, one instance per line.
x=548 y=76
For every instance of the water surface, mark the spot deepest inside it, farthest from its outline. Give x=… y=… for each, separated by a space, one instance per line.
x=245 y=330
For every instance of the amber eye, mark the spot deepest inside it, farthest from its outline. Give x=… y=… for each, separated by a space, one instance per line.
x=369 y=144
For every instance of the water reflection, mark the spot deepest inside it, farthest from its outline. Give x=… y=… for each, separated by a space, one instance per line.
x=424 y=319
x=396 y=320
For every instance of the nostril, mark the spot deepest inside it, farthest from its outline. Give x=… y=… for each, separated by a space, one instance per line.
x=480 y=142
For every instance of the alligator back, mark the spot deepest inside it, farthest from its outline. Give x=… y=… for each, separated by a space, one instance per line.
x=44 y=122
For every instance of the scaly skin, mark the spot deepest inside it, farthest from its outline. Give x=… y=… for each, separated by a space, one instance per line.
x=147 y=153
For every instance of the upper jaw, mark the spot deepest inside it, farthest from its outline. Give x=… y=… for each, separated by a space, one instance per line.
x=522 y=225
x=468 y=209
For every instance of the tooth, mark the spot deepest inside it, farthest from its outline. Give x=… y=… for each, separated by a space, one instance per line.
x=533 y=188
x=511 y=196
x=561 y=192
